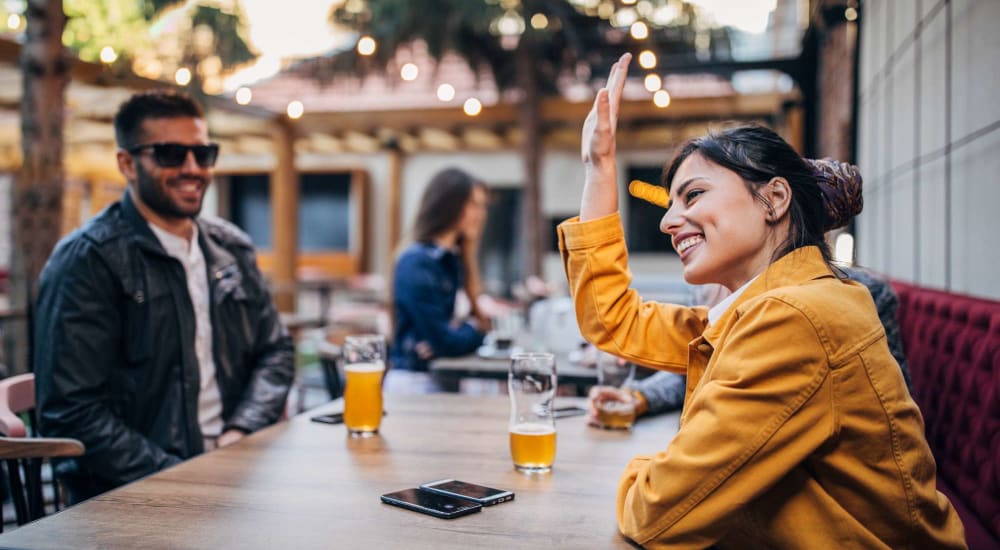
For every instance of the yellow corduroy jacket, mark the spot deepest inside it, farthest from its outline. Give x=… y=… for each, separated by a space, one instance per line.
x=797 y=431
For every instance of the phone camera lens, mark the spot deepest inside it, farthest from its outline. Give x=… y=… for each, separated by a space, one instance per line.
x=449 y=506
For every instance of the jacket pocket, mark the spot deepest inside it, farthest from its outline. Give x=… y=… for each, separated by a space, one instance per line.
x=144 y=293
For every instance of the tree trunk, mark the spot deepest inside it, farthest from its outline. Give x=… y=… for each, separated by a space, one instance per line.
x=37 y=193
x=529 y=112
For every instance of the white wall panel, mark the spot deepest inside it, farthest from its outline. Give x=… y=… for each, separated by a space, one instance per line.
x=932 y=86
x=903 y=129
x=901 y=247
x=929 y=6
x=931 y=220
x=975 y=71
x=904 y=18
x=975 y=197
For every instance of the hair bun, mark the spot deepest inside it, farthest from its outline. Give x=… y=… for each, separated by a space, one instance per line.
x=841 y=186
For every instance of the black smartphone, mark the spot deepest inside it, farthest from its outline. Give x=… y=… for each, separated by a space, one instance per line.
x=487 y=496
x=434 y=504
x=563 y=412
x=335 y=418
x=332 y=418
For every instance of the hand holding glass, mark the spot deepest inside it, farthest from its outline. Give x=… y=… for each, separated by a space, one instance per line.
x=364 y=366
x=612 y=399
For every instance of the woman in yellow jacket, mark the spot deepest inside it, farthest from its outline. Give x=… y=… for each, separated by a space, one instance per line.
x=798 y=430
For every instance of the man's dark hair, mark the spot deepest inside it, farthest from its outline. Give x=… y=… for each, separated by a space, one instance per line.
x=151 y=104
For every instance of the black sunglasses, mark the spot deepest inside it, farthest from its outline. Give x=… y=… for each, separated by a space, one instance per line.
x=172 y=155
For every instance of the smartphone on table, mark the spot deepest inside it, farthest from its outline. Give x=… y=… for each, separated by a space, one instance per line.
x=487 y=496
x=434 y=504
x=332 y=418
x=566 y=412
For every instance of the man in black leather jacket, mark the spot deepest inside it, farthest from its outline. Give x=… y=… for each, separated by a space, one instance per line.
x=155 y=334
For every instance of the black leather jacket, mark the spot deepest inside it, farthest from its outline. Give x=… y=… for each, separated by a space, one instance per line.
x=114 y=354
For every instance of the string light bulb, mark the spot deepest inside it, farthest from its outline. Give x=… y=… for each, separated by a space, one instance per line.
x=639 y=30
x=409 y=72
x=661 y=99
x=243 y=95
x=108 y=55
x=183 y=76
x=539 y=21
x=446 y=92
x=295 y=109
x=647 y=59
x=366 y=45
x=472 y=106
x=653 y=82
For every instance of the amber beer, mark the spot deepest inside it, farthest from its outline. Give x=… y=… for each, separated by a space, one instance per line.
x=363 y=397
x=616 y=415
x=533 y=447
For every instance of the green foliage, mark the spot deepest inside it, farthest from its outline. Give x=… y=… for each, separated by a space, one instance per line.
x=226 y=28
x=170 y=31
x=94 y=24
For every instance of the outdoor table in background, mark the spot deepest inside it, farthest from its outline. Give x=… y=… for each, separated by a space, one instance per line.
x=302 y=484
x=453 y=369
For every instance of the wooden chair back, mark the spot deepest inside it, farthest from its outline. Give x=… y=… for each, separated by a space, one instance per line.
x=23 y=455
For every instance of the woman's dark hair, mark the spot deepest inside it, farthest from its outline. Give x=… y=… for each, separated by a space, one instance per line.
x=151 y=104
x=825 y=194
x=443 y=202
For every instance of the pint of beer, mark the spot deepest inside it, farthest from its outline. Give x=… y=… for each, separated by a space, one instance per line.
x=533 y=446
x=364 y=368
x=532 y=382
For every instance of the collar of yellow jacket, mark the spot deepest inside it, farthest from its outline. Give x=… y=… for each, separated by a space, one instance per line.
x=797 y=267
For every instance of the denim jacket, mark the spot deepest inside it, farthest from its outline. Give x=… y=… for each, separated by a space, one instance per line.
x=425 y=284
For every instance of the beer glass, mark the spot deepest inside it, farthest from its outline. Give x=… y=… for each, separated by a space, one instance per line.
x=364 y=366
x=615 y=404
x=531 y=382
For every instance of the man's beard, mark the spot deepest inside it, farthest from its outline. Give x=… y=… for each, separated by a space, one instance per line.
x=155 y=196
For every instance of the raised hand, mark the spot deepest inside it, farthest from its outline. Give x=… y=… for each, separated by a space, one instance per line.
x=598 y=143
x=597 y=146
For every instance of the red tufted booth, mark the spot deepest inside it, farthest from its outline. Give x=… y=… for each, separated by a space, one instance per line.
x=952 y=345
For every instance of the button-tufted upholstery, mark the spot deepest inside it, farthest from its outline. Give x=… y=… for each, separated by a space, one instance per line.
x=952 y=344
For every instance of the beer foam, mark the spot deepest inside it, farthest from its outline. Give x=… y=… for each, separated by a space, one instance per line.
x=529 y=428
x=365 y=367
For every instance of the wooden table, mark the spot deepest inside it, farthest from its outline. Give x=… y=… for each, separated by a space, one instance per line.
x=474 y=366
x=301 y=484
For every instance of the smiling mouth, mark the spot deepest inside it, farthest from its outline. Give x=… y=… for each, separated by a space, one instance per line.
x=689 y=242
x=188 y=186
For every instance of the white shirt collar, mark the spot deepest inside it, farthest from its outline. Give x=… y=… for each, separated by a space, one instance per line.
x=721 y=307
x=176 y=246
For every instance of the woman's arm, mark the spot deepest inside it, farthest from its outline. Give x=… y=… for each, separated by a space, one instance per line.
x=611 y=315
x=597 y=148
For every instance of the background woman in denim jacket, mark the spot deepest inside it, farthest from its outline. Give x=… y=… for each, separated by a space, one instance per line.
x=429 y=275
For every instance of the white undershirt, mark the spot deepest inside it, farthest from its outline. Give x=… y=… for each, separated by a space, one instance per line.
x=189 y=254
x=721 y=307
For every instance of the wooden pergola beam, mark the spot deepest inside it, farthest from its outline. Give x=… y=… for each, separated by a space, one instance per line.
x=555 y=112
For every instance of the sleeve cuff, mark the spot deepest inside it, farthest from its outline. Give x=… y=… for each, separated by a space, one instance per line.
x=574 y=234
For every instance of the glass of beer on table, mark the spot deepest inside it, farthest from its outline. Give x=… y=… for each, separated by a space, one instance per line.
x=615 y=406
x=531 y=382
x=364 y=367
